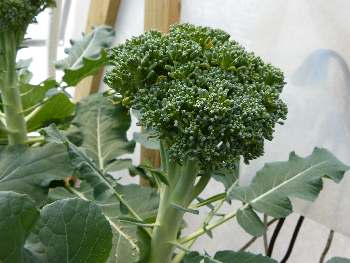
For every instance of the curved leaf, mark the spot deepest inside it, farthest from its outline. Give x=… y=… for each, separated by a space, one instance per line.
x=17 y=217
x=241 y=257
x=103 y=127
x=67 y=231
x=227 y=257
x=33 y=95
x=86 y=56
x=126 y=244
x=55 y=110
x=339 y=260
x=71 y=230
x=30 y=171
x=274 y=185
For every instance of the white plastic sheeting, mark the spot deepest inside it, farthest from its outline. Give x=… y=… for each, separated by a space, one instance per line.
x=309 y=41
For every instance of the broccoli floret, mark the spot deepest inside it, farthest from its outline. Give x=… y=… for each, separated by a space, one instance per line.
x=16 y=15
x=201 y=92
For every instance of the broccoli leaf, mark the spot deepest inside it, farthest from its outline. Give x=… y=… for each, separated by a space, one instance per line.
x=274 y=185
x=103 y=126
x=69 y=230
x=227 y=257
x=34 y=95
x=126 y=244
x=339 y=260
x=17 y=218
x=56 y=109
x=30 y=171
x=86 y=56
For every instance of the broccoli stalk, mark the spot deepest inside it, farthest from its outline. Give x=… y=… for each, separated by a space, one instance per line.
x=208 y=100
x=15 y=16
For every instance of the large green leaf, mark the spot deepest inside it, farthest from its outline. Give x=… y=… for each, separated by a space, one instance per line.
x=87 y=55
x=339 y=260
x=274 y=185
x=227 y=257
x=126 y=245
x=17 y=218
x=67 y=231
x=241 y=257
x=113 y=198
x=34 y=95
x=72 y=230
x=103 y=126
x=30 y=171
x=43 y=103
x=56 y=109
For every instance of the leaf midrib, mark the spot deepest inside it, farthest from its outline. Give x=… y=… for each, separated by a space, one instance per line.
x=284 y=183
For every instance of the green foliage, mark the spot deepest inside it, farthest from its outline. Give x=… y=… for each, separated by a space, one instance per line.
x=86 y=56
x=103 y=126
x=339 y=260
x=32 y=170
x=56 y=109
x=204 y=102
x=126 y=242
x=274 y=185
x=227 y=257
x=203 y=93
x=17 y=218
x=69 y=230
x=114 y=199
x=16 y=15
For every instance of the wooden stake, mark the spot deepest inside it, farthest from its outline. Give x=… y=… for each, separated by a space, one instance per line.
x=100 y=13
x=159 y=15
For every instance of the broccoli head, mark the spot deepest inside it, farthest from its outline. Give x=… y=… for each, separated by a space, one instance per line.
x=16 y=15
x=201 y=92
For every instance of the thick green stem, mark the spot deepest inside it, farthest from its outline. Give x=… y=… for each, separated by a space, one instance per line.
x=10 y=94
x=169 y=218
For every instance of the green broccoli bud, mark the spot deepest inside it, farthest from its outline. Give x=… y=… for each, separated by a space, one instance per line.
x=16 y=15
x=201 y=92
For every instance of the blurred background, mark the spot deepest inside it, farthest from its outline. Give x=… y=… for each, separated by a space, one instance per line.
x=308 y=39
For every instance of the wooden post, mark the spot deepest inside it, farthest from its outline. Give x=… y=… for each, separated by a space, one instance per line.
x=159 y=15
x=101 y=12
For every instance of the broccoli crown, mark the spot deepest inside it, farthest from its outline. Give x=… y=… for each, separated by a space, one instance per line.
x=16 y=15
x=201 y=92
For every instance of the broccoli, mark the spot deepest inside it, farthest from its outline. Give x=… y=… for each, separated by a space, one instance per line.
x=207 y=99
x=15 y=16
x=202 y=93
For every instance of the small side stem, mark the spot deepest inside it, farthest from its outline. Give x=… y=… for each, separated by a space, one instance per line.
x=253 y=239
x=180 y=256
x=203 y=230
x=200 y=186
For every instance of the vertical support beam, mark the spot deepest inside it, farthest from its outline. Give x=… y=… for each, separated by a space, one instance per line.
x=100 y=13
x=159 y=15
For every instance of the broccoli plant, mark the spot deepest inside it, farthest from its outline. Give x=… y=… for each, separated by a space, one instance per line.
x=210 y=102
x=15 y=16
x=203 y=100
